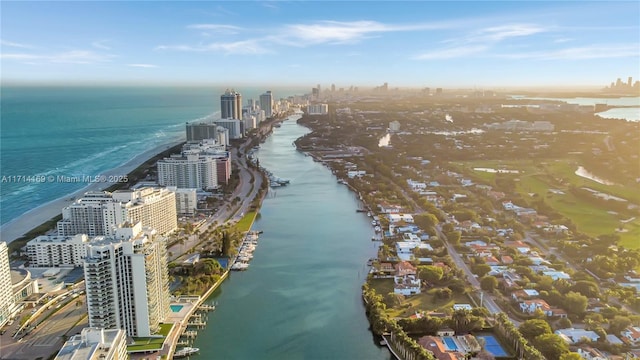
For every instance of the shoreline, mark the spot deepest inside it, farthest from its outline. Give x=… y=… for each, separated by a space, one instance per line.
x=41 y=214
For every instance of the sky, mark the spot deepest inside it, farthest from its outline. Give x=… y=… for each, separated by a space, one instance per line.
x=359 y=43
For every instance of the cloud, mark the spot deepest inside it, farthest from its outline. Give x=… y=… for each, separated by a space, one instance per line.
x=16 y=45
x=480 y=41
x=68 y=57
x=251 y=46
x=143 y=65
x=218 y=28
x=580 y=53
x=100 y=45
x=450 y=53
x=500 y=33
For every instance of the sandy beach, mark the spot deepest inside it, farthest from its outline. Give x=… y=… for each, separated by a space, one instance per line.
x=43 y=213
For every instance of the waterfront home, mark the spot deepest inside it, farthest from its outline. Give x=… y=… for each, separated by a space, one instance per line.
x=395 y=218
x=404 y=249
x=390 y=209
x=445 y=332
x=406 y=281
x=572 y=336
x=438 y=348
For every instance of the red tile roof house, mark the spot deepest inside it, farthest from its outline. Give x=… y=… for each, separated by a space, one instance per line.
x=439 y=350
x=632 y=333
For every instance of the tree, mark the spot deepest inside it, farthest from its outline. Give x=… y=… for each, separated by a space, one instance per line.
x=551 y=346
x=618 y=323
x=564 y=323
x=586 y=288
x=571 y=356
x=392 y=299
x=489 y=283
x=575 y=303
x=463 y=321
x=454 y=237
x=425 y=221
x=481 y=269
x=430 y=274
x=533 y=328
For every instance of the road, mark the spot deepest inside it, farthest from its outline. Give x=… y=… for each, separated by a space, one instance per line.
x=47 y=338
x=250 y=183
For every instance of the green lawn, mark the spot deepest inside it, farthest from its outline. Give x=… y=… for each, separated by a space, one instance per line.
x=426 y=301
x=245 y=223
x=538 y=178
x=151 y=343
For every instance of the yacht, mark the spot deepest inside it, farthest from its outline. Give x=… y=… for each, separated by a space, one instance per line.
x=184 y=352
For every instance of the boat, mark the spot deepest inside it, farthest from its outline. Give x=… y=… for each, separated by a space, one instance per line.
x=184 y=352
x=239 y=266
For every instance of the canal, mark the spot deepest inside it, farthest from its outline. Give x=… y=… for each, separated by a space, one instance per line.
x=300 y=297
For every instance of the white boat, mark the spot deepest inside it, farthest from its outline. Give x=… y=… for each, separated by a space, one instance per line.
x=184 y=352
x=239 y=266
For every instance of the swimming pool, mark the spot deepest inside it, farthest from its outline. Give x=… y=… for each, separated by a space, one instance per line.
x=493 y=346
x=176 y=308
x=451 y=345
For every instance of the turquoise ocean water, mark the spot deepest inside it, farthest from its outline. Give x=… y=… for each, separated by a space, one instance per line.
x=76 y=131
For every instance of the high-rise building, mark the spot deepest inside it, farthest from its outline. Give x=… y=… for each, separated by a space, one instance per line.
x=97 y=213
x=233 y=125
x=231 y=105
x=55 y=250
x=266 y=103
x=7 y=303
x=127 y=281
x=318 y=109
x=188 y=170
x=95 y=344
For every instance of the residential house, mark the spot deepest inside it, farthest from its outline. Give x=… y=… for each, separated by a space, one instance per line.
x=395 y=218
x=572 y=336
x=438 y=348
x=632 y=333
x=445 y=332
x=406 y=281
x=491 y=261
x=518 y=245
x=525 y=294
x=529 y=306
x=506 y=259
x=389 y=209
x=589 y=353
x=416 y=186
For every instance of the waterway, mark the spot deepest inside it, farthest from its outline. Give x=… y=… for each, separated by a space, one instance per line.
x=301 y=296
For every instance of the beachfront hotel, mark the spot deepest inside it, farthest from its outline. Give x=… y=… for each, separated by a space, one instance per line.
x=98 y=213
x=7 y=303
x=127 y=281
x=95 y=344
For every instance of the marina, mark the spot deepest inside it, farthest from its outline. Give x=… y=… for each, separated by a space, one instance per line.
x=245 y=252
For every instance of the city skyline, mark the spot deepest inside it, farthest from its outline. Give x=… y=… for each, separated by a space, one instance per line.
x=407 y=44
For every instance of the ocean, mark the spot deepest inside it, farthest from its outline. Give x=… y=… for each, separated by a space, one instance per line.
x=84 y=131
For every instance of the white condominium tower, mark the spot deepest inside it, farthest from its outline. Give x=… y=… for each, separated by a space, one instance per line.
x=7 y=303
x=266 y=103
x=98 y=213
x=127 y=281
x=54 y=250
x=188 y=170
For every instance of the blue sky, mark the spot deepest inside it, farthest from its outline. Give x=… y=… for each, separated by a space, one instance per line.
x=407 y=44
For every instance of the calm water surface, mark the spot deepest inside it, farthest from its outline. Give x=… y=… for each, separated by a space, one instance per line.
x=300 y=298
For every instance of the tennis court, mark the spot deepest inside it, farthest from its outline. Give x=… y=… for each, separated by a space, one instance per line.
x=492 y=345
